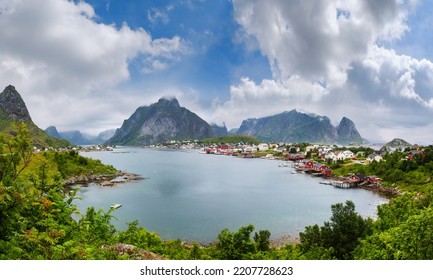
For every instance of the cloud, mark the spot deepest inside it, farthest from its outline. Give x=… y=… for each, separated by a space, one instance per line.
x=249 y=99
x=329 y=57
x=395 y=78
x=58 y=50
x=318 y=40
x=155 y=15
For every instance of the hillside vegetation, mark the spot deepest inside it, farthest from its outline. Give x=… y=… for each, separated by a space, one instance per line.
x=38 y=219
x=232 y=139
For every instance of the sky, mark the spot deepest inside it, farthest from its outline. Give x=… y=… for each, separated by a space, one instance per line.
x=88 y=65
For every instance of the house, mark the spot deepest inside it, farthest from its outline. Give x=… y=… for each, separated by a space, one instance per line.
x=295 y=157
x=304 y=164
x=373 y=179
x=358 y=177
x=327 y=172
x=319 y=167
x=413 y=153
x=263 y=147
x=374 y=157
x=250 y=149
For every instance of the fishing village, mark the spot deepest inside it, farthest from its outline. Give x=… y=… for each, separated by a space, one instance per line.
x=316 y=160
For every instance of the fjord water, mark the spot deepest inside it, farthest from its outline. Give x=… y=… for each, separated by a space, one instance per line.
x=191 y=196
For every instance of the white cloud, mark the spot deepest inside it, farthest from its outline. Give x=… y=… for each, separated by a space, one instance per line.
x=249 y=99
x=328 y=57
x=311 y=39
x=155 y=15
x=56 y=50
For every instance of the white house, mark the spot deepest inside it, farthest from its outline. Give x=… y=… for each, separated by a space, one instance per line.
x=263 y=147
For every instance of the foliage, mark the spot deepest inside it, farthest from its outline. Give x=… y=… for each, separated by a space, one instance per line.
x=38 y=219
x=231 y=139
x=338 y=237
x=70 y=164
x=403 y=230
x=238 y=245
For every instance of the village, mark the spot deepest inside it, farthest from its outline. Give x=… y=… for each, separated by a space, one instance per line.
x=316 y=160
x=301 y=158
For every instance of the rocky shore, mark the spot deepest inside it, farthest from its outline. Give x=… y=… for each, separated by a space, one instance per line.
x=106 y=180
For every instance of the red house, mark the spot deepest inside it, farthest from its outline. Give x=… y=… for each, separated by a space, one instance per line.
x=358 y=177
x=327 y=172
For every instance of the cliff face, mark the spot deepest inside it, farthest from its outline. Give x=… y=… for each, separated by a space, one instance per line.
x=14 y=110
x=13 y=105
x=296 y=127
x=162 y=121
x=347 y=132
x=219 y=130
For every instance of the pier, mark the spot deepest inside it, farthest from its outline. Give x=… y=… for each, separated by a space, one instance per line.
x=346 y=184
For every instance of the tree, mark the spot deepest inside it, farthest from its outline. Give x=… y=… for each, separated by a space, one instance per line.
x=410 y=240
x=15 y=153
x=339 y=237
x=262 y=240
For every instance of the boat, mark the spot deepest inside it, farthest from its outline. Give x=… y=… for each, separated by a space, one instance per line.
x=115 y=206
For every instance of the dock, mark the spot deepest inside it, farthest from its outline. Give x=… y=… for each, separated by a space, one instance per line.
x=346 y=184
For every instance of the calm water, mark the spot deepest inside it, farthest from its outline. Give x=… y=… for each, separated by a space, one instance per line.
x=192 y=196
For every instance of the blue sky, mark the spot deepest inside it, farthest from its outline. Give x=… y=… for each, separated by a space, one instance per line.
x=88 y=65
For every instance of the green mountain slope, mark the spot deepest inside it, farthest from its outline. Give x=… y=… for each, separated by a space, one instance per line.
x=13 y=110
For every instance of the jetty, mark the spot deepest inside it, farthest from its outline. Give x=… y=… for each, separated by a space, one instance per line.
x=345 y=184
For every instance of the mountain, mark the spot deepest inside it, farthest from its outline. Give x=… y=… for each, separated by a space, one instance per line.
x=13 y=110
x=105 y=135
x=296 y=127
x=160 y=122
x=347 y=132
x=52 y=131
x=398 y=143
x=219 y=130
x=78 y=138
x=233 y=131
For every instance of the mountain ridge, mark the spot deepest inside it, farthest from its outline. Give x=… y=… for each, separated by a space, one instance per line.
x=293 y=126
x=160 y=122
x=13 y=110
x=76 y=137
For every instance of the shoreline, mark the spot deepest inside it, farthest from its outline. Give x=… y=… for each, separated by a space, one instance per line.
x=105 y=180
x=277 y=242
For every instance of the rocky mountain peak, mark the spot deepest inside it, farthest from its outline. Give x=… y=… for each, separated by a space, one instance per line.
x=347 y=132
x=169 y=102
x=398 y=143
x=13 y=105
x=160 y=122
x=52 y=131
x=293 y=126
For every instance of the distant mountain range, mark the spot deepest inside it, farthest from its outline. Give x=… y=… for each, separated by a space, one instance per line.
x=13 y=110
x=161 y=122
x=296 y=127
x=166 y=120
x=78 y=138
